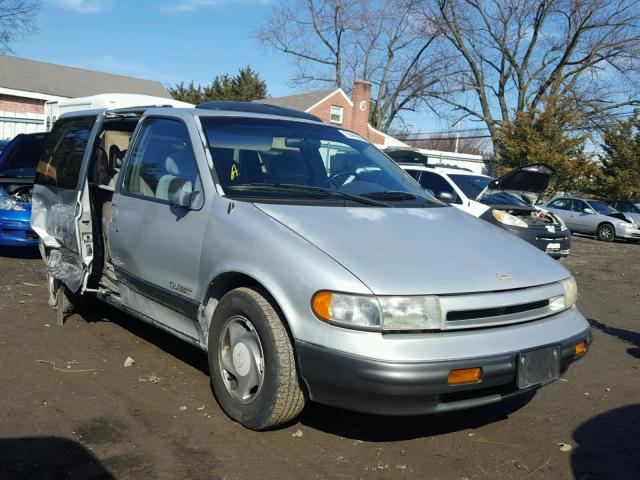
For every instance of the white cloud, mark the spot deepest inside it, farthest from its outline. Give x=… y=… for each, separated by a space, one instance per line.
x=182 y=6
x=83 y=6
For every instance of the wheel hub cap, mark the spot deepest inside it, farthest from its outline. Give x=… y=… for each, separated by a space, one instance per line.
x=241 y=359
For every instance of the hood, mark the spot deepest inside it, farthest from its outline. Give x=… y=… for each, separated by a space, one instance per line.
x=625 y=217
x=530 y=181
x=413 y=251
x=634 y=217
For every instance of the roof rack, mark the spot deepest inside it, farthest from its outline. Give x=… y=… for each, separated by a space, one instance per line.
x=264 y=108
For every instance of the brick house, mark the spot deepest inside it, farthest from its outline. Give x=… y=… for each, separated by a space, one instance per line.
x=25 y=85
x=335 y=107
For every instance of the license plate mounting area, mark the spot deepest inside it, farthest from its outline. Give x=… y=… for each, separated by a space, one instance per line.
x=538 y=366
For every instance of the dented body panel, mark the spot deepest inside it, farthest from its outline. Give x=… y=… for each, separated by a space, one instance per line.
x=165 y=243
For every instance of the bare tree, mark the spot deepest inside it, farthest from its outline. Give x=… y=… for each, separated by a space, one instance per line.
x=334 y=42
x=17 y=17
x=512 y=54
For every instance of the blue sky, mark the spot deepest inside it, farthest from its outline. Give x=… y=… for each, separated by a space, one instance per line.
x=165 y=40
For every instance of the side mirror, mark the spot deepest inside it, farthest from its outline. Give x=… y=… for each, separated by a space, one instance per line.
x=446 y=197
x=180 y=192
x=589 y=211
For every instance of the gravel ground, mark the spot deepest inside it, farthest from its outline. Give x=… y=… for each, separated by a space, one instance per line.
x=70 y=409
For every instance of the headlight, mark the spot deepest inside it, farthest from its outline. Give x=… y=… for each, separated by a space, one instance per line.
x=626 y=225
x=8 y=203
x=508 y=219
x=378 y=313
x=563 y=226
x=570 y=292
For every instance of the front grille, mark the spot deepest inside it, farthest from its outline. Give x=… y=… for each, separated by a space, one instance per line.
x=495 y=311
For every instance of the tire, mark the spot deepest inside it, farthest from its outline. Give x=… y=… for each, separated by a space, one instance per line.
x=245 y=314
x=606 y=232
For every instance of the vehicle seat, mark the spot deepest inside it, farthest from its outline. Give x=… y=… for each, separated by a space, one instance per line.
x=171 y=167
x=288 y=168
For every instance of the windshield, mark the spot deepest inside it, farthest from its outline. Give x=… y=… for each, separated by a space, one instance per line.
x=601 y=207
x=20 y=157
x=471 y=185
x=279 y=159
x=504 y=198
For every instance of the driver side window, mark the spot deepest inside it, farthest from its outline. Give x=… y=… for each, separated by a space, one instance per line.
x=437 y=184
x=162 y=153
x=579 y=206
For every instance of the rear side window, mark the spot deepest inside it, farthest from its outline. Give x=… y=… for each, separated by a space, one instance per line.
x=561 y=204
x=162 y=152
x=62 y=159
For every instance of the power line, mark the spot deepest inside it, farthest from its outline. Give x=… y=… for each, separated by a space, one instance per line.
x=453 y=133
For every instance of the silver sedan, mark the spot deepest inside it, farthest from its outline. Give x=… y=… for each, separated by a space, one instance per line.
x=594 y=217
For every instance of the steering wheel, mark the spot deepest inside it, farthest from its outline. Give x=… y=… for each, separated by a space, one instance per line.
x=333 y=179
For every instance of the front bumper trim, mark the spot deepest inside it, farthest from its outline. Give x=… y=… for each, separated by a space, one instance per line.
x=393 y=388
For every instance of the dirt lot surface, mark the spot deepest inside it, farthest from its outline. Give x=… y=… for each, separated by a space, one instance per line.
x=70 y=409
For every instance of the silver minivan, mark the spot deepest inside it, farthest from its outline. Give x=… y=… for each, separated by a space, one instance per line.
x=302 y=259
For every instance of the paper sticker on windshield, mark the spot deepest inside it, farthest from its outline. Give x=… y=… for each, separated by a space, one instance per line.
x=234 y=172
x=352 y=136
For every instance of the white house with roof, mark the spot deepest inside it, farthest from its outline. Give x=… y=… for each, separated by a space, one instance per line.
x=25 y=86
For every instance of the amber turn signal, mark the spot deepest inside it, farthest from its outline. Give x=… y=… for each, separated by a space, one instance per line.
x=581 y=348
x=464 y=375
x=321 y=305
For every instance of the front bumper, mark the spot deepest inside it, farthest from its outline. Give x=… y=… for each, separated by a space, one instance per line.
x=401 y=388
x=554 y=241
x=628 y=233
x=15 y=230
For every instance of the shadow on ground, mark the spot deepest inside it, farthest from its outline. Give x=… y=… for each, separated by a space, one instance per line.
x=608 y=446
x=376 y=428
x=97 y=311
x=371 y=428
x=48 y=457
x=20 y=252
x=627 y=336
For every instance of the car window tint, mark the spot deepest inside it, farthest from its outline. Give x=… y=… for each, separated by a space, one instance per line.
x=435 y=183
x=415 y=174
x=601 y=207
x=561 y=204
x=24 y=157
x=622 y=206
x=162 y=152
x=579 y=206
x=62 y=158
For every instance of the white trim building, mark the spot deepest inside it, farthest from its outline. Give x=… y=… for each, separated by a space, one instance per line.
x=25 y=85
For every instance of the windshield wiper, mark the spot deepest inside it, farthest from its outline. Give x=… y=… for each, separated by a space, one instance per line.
x=390 y=195
x=307 y=190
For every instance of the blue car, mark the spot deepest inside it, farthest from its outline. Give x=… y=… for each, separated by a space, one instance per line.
x=18 y=162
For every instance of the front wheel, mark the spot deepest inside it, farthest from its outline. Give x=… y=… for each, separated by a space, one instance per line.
x=251 y=362
x=606 y=233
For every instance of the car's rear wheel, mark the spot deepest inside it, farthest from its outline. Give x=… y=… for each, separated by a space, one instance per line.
x=606 y=233
x=252 y=363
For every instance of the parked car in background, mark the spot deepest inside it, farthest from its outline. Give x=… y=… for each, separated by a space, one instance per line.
x=17 y=170
x=630 y=208
x=3 y=144
x=302 y=259
x=508 y=201
x=594 y=217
